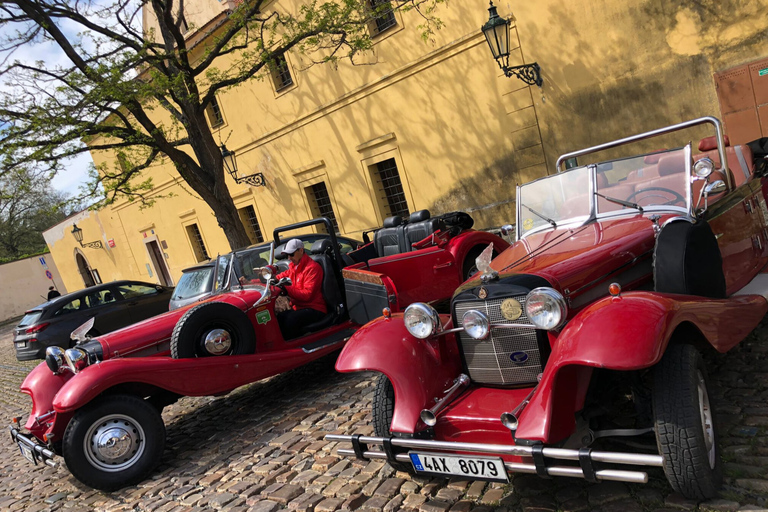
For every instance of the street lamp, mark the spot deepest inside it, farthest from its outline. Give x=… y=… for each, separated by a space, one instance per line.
x=230 y=165
x=78 y=234
x=496 y=32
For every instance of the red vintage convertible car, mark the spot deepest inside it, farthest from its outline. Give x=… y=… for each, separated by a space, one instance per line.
x=98 y=404
x=624 y=272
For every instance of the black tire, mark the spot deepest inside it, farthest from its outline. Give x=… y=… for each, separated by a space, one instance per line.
x=136 y=453
x=382 y=408
x=685 y=430
x=235 y=332
x=469 y=268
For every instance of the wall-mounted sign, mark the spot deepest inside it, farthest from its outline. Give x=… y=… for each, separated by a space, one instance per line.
x=111 y=242
x=43 y=263
x=145 y=234
x=762 y=72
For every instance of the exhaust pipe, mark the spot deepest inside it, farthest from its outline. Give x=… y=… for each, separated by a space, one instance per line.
x=509 y=419
x=429 y=416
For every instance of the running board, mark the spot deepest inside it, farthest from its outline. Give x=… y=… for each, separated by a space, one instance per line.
x=585 y=457
x=333 y=339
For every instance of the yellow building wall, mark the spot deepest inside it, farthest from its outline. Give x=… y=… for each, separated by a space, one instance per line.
x=461 y=133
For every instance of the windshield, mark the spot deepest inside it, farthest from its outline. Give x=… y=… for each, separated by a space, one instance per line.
x=247 y=264
x=193 y=283
x=644 y=182
x=558 y=199
x=651 y=182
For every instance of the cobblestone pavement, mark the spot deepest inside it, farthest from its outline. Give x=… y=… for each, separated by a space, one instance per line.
x=261 y=449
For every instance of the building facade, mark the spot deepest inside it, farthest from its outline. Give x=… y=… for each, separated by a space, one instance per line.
x=435 y=124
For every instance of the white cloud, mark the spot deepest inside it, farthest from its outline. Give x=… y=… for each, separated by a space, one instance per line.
x=74 y=175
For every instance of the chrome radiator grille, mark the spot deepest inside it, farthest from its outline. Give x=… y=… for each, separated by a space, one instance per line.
x=489 y=361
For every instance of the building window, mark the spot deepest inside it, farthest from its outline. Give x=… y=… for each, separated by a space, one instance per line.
x=383 y=17
x=214 y=113
x=196 y=239
x=320 y=203
x=281 y=74
x=389 y=189
x=183 y=26
x=251 y=224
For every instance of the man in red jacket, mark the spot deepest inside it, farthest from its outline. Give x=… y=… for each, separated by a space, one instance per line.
x=307 y=302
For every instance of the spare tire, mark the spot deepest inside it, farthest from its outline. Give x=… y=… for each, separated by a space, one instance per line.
x=213 y=329
x=687 y=260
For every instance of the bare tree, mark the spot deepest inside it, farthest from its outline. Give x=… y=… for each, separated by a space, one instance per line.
x=115 y=73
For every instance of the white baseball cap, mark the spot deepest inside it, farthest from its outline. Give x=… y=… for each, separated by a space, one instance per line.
x=292 y=246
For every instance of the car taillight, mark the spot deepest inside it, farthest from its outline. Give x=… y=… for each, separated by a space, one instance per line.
x=36 y=328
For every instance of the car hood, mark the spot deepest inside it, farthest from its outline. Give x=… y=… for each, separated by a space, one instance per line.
x=153 y=336
x=575 y=260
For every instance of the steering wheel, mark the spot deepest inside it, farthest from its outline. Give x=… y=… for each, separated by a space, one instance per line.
x=676 y=197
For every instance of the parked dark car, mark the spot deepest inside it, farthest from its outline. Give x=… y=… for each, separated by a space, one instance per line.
x=204 y=279
x=112 y=305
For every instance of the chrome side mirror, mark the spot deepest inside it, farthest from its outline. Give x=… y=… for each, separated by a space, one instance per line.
x=507 y=230
x=714 y=188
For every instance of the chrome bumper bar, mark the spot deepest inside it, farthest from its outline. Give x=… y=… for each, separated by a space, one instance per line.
x=585 y=457
x=39 y=452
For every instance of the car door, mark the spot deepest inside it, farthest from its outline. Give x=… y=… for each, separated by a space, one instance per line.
x=143 y=300
x=104 y=307
x=739 y=224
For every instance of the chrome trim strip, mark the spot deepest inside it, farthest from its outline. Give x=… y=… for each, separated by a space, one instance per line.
x=343 y=340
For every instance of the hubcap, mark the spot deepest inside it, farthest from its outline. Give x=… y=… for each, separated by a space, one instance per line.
x=706 y=419
x=217 y=342
x=114 y=443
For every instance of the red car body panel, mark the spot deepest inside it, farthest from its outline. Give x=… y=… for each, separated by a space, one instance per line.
x=431 y=273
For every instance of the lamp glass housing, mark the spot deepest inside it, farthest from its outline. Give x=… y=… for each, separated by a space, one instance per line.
x=496 y=31
x=230 y=164
x=77 y=233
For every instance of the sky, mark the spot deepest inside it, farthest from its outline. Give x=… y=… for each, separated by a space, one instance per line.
x=75 y=174
x=76 y=169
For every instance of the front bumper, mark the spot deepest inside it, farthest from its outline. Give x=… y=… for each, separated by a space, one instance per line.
x=39 y=452
x=586 y=458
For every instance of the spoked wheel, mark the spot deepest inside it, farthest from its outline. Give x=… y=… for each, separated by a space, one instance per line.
x=114 y=442
x=382 y=409
x=213 y=329
x=685 y=429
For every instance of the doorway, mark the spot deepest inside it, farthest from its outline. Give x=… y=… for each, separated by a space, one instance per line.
x=85 y=270
x=158 y=262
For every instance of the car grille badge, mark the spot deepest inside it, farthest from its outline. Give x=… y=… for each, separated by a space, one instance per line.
x=483 y=293
x=511 y=309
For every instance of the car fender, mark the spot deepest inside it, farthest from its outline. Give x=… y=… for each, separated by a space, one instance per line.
x=460 y=245
x=181 y=376
x=420 y=370
x=629 y=332
x=41 y=384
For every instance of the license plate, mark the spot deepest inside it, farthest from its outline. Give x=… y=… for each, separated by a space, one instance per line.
x=21 y=344
x=476 y=468
x=26 y=451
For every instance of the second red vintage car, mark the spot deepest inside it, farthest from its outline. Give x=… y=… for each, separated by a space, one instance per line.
x=98 y=404
x=624 y=273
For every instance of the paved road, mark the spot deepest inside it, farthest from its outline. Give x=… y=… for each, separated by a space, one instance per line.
x=260 y=449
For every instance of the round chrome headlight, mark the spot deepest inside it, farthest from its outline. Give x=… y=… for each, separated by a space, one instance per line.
x=54 y=358
x=266 y=272
x=76 y=359
x=546 y=308
x=421 y=320
x=703 y=167
x=475 y=324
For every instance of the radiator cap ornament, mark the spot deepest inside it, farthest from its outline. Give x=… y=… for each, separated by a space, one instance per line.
x=483 y=293
x=483 y=263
